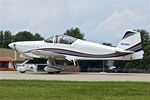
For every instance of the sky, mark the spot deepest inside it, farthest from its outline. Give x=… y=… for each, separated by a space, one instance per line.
x=100 y=20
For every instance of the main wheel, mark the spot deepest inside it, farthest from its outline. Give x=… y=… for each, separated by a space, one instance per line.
x=22 y=71
x=50 y=72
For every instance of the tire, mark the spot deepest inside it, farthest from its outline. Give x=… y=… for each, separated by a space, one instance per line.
x=50 y=72
x=22 y=71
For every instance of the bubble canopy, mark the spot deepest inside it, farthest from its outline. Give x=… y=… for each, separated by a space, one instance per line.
x=61 y=39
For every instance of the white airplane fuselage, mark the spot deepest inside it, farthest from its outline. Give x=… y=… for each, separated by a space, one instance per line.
x=130 y=48
x=78 y=50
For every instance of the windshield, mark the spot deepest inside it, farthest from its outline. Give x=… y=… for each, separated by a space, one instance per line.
x=64 y=39
x=61 y=39
x=49 y=40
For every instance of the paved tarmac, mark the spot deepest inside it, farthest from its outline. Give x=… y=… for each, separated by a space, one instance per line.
x=75 y=76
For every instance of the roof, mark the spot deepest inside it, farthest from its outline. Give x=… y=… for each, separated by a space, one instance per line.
x=8 y=59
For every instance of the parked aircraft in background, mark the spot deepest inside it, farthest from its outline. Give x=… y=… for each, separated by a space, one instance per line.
x=72 y=49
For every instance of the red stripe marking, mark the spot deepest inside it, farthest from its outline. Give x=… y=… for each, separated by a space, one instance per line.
x=134 y=46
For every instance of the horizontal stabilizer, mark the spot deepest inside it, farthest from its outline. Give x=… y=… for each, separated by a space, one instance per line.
x=124 y=52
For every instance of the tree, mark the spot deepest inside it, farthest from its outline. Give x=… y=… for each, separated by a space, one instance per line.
x=107 y=44
x=37 y=36
x=23 y=36
x=75 y=32
x=27 y=36
x=145 y=37
x=1 y=39
x=5 y=39
x=146 y=47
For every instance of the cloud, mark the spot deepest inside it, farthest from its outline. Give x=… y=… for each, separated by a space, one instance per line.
x=114 y=26
x=76 y=8
x=40 y=16
x=118 y=21
x=31 y=13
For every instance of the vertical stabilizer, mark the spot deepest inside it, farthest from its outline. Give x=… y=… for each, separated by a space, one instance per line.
x=131 y=41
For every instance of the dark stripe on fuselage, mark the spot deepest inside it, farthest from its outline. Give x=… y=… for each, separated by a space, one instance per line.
x=79 y=54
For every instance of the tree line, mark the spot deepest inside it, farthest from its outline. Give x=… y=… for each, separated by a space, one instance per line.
x=7 y=37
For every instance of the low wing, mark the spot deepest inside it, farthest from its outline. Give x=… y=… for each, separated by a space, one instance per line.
x=47 y=54
x=28 y=56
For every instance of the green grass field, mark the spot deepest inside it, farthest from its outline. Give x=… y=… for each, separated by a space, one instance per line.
x=72 y=90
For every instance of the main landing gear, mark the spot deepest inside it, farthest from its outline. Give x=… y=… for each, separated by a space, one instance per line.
x=51 y=68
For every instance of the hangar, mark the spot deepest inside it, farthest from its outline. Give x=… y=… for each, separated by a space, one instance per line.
x=7 y=59
x=7 y=64
x=9 y=53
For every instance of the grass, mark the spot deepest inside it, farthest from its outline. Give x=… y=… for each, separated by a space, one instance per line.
x=73 y=90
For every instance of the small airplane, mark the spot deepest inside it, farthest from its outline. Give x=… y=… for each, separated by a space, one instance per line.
x=73 y=49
